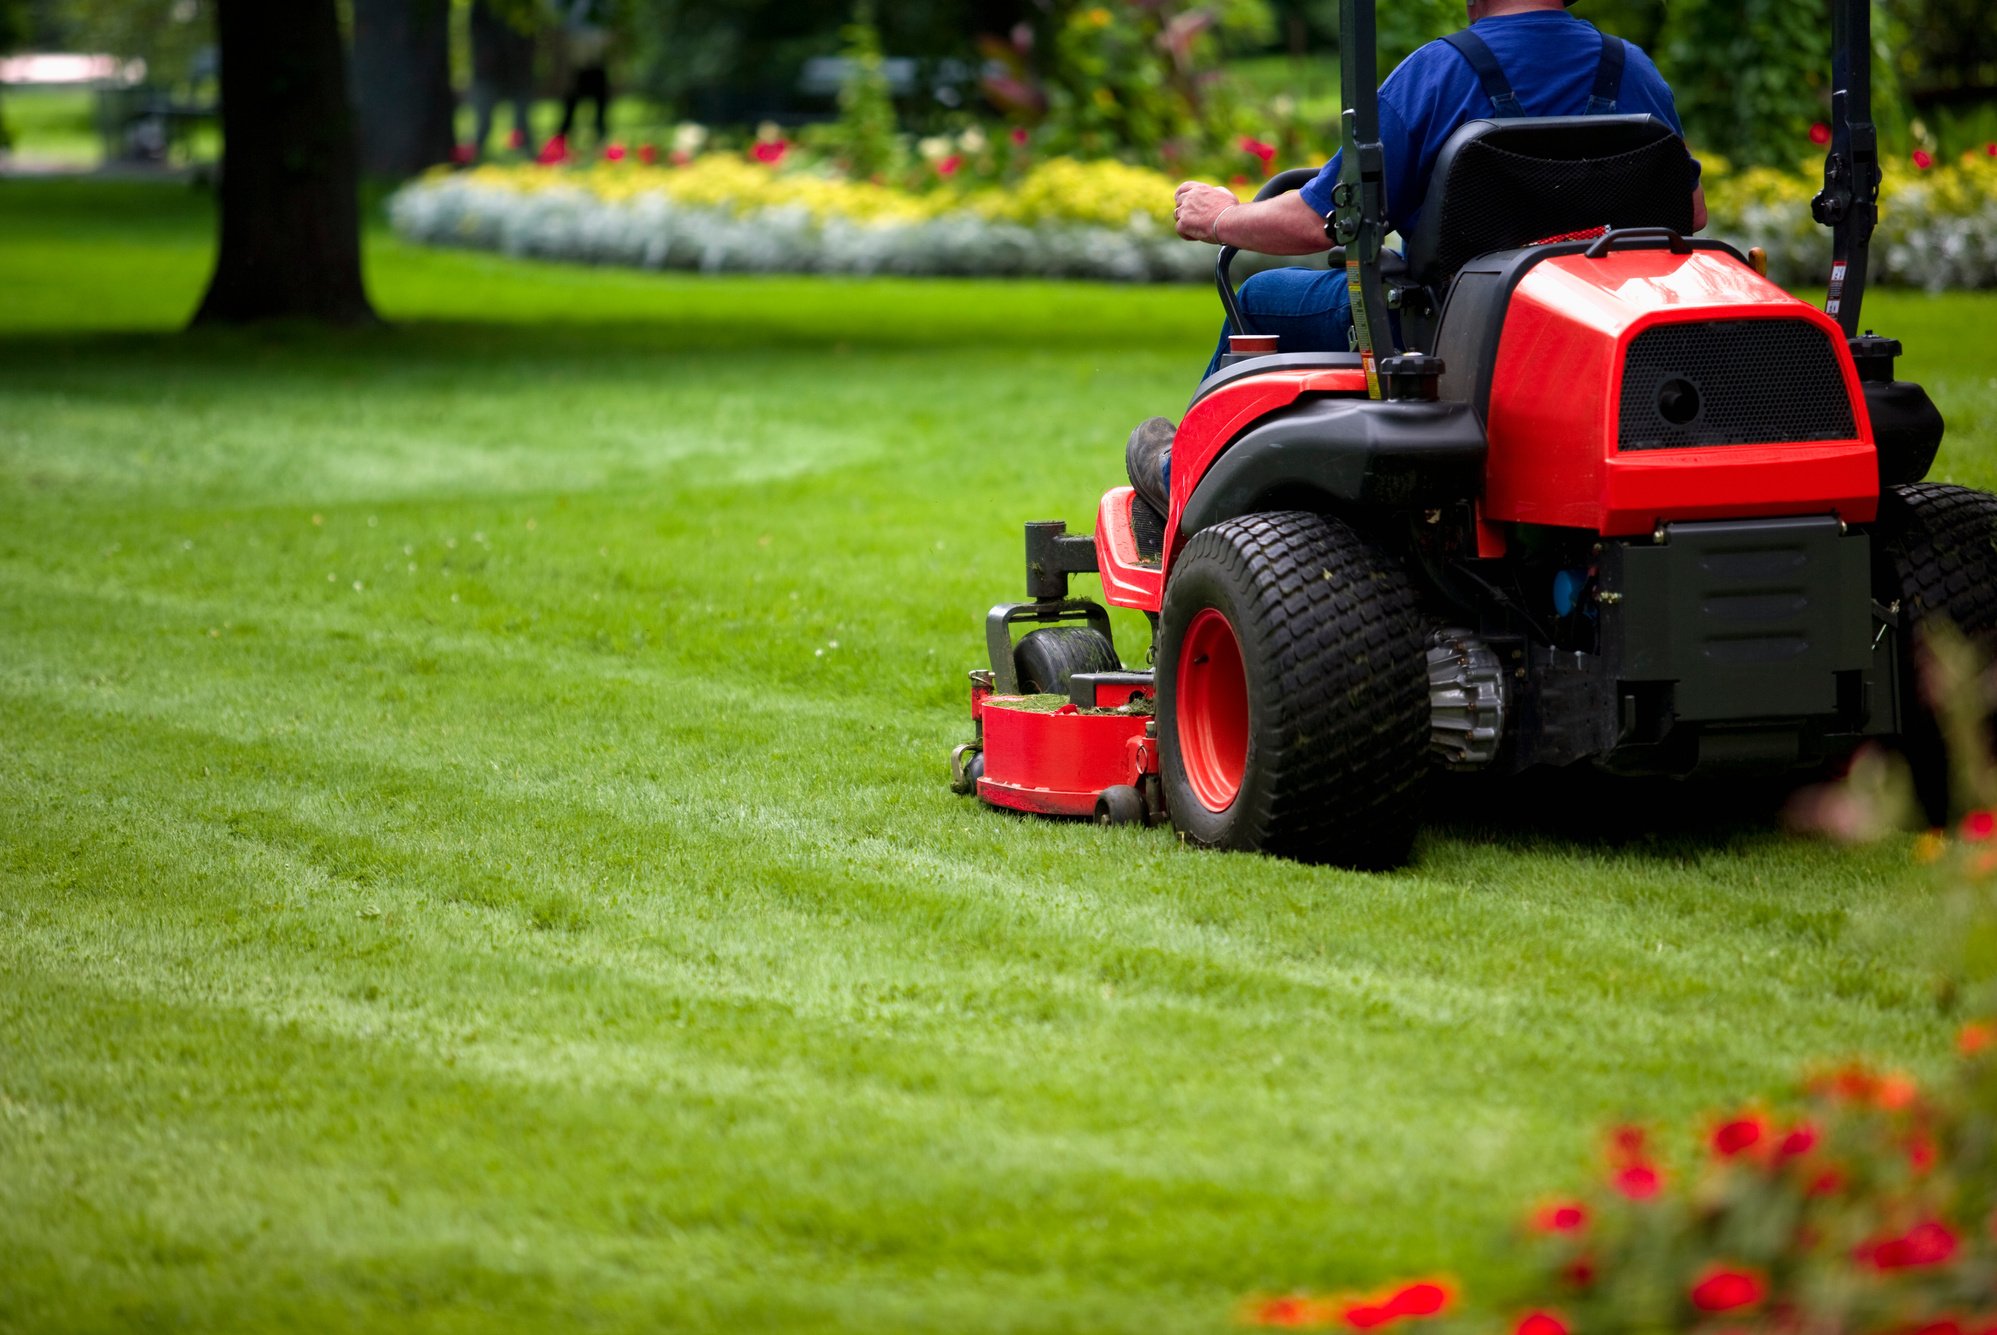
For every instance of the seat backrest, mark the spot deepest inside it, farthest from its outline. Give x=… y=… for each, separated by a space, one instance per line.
x=1500 y=184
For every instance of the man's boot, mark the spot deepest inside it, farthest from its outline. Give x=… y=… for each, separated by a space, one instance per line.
x=1147 y=458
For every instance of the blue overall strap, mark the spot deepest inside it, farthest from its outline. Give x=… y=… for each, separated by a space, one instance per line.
x=1489 y=73
x=1609 y=77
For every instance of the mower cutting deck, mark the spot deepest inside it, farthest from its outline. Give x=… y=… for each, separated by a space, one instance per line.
x=1619 y=501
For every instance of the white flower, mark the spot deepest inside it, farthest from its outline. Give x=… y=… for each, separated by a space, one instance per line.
x=689 y=137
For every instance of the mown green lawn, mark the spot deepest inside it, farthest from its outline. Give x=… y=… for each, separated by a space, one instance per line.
x=474 y=849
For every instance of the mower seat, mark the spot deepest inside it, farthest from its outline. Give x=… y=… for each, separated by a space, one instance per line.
x=1501 y=184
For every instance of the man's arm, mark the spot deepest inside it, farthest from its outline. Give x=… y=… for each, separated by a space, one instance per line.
x=1284 y=225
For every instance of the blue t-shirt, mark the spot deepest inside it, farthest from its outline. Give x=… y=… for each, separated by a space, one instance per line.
x=1551 y=59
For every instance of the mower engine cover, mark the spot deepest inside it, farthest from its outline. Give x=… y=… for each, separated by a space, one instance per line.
x=1635 y=387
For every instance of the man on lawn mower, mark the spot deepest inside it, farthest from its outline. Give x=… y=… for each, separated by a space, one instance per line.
x=1565 y=68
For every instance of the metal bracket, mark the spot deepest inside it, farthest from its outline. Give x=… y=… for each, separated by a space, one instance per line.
x=1001 y=619
x=1053 y=554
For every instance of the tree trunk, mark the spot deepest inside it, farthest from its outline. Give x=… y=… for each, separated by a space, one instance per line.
x=402 y=85
x=290 y=244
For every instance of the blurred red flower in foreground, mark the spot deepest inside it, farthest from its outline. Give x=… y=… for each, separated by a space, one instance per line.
x=1738 y=1136
x=1801 y=1140
x=1978 y=825
x=1560 y=1217
x=1540 y=1323
x=1820 y=134
x=463 y=153
x=648 y=154
x=1928 y=1243
x=1722 y=1290
x=949 y=165
x=770 y=152
x=1284 y=1312
x=1425 y=1298
x=1923 y=159
x=613 y=153
x=1978 y=1035
x=1019 y=135
x=555 y=150
x=1638 y=1181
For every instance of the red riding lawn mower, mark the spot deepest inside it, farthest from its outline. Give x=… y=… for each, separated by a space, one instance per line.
x=1609 y=498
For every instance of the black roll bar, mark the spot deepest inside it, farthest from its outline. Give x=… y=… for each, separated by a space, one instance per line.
x=1849 y=202
x=1358 y=222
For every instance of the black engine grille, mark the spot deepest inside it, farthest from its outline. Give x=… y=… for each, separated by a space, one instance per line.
x=1733 y=382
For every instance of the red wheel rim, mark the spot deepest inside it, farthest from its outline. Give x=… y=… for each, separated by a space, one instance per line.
x=1212 y=710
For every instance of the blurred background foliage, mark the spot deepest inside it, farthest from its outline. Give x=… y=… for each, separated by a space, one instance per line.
x=1176 y=84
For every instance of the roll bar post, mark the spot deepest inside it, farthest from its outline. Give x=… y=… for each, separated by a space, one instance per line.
x=1358 y=220
x=1849 y=202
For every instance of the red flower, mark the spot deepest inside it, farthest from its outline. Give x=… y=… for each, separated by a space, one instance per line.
x=1019 y=135
x=1261 y=152
x=1990 y=150
x=1978 y=1035
x=679 y=157
x=1802 y=1138
x=1424 y=1298
x=555 y=150
x=648 y=154
x=770 y=152
x=1923 y=159
x=949 y=165
x=1365 y=1316
x=463 y=153
x=614 y=153
x=1722 y=1290
x=1287 y=1312
x=1827 y=1183
x=1977 y=825
x=1638 y=1181
x=517 y=140
x=1560 y=1217
x=1946 y=1327
x=1921 y=1152
x=1738 y=1136
x=1540 y=1323
x=1928 y=1243
x=1895 y=1092
x=1626 y=1143
x=1820 y=134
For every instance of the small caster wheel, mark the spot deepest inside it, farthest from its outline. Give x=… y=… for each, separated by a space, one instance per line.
x=967 y=766
x=1121 y=805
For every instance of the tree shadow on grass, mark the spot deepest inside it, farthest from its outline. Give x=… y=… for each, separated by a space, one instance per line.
x=594 y=345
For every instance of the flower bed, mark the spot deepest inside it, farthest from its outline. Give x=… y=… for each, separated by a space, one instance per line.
x=719 y=213
x=755 y=213
x=1938 y=222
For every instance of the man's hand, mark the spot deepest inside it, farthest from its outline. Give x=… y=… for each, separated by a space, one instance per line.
x=1195 y=206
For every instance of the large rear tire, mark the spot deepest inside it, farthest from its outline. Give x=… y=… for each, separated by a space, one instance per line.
x=1937 y=557
x=1293 y=693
